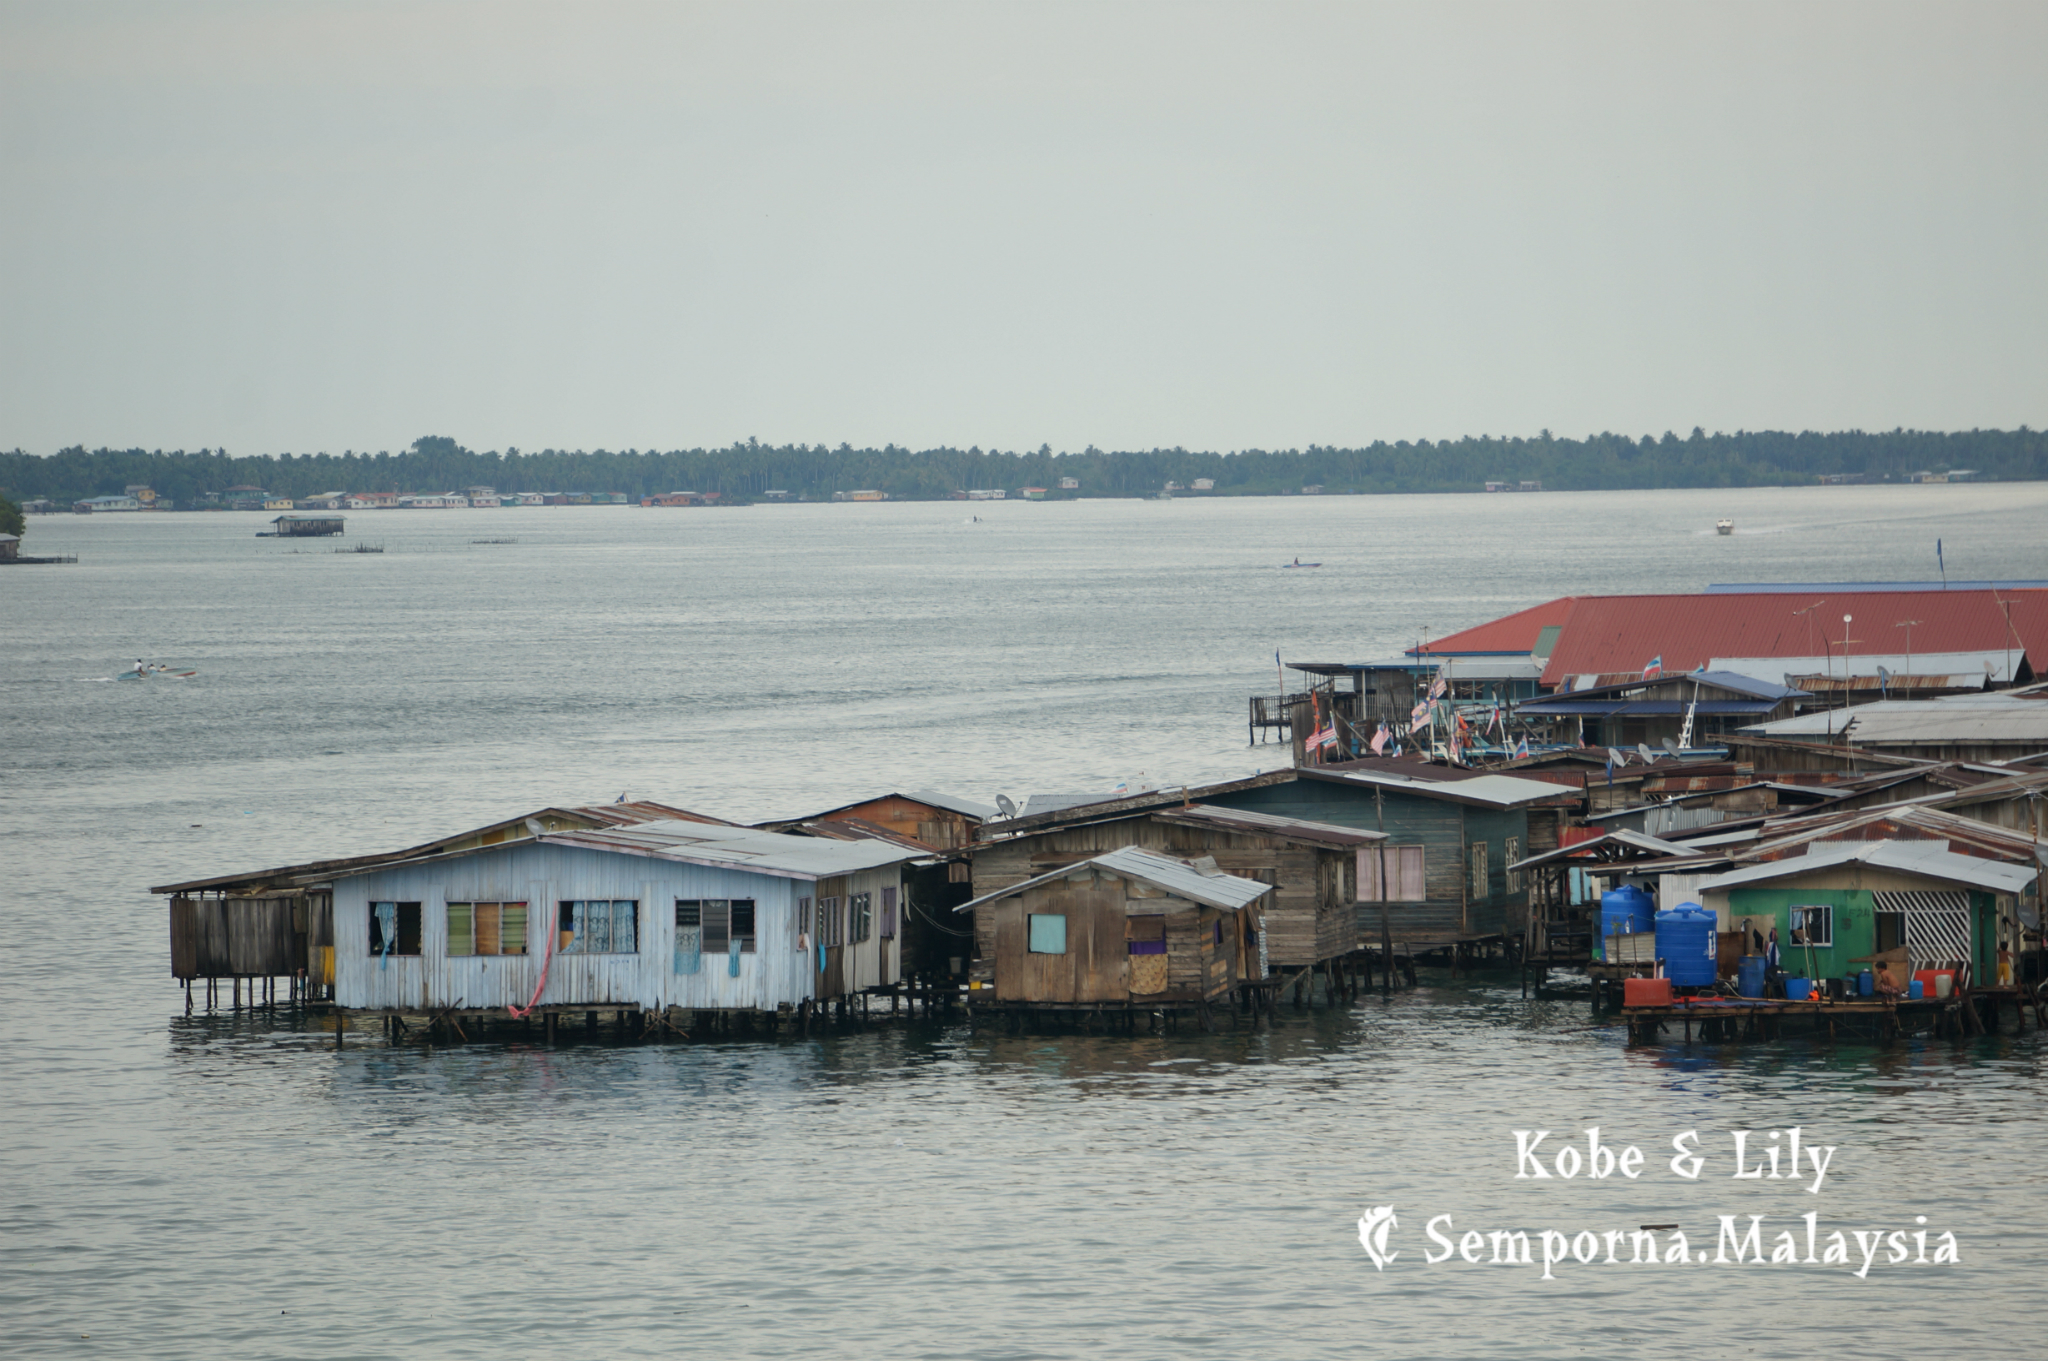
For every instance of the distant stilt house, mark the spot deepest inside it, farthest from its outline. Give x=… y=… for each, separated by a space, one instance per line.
x=1126 y=929
x=10 y=547
x=616 y=906
x=1841 y=902
x=1439 y=879
x=1312 y=915
x=303 y=527
x=934 y=948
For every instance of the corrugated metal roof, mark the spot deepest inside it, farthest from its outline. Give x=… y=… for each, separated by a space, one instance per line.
x=1621 y=633
x=980 y=812
x=1993 y=717
x=1246 y=820
x=952 y=803
x=1517 y=632
x=1932 y=859
x=1494 y=791
x=1683 y=683
x=795 y=857
x=1799 y=587
x=1178 y=877
x=1565 y=708
x=1999 y=664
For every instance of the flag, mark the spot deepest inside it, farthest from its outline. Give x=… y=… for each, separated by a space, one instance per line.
x=1418 y=717
x=1379 y=739
x=1522 y=749
x=1655 y=668
x=1442 y=683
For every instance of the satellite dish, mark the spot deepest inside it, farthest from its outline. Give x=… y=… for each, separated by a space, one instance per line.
x=1649 y=757
x=1671 y=745
x=1617 y=757
x=533 y=826
x=1003 y=802
x=1884 y=677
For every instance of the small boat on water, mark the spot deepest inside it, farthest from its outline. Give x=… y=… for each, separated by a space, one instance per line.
x=1724 y=526
x=156 y=675
x=1299 y=563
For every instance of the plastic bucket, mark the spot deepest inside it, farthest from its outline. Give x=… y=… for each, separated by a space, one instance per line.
x=1798 y=989
x=1914 y=990
x=1944 y=985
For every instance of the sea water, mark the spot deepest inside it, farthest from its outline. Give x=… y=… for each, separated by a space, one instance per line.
x=229 y=1185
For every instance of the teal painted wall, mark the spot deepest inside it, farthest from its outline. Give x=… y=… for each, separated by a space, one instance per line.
x=1855 y=927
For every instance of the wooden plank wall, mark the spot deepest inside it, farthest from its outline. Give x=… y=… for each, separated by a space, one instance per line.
x=1309 y=917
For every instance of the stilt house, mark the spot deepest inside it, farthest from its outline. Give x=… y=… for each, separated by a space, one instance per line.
x=1310 y=917
x=1129 y=927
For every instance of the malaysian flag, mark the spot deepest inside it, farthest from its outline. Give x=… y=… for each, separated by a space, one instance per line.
x=1379 y=739
x=1655 y=668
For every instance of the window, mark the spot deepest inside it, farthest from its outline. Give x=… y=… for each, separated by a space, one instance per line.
x=830 y=926
x=860 y=909
x=487 y=928
x=1479 y=869
x=1813 y=926
x=888 y=914
x=598 y=926
x=724 y=921
x=803 y=917
x=1048 y=934
x=1145 y=939
x=1510 y=852
x=394 y=928
x=689 y=952
x=1403 y=875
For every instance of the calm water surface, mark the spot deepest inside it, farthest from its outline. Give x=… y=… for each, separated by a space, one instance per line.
x=229 y=1186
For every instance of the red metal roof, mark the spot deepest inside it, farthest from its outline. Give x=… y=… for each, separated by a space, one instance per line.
x=1515 y=632
x=1606 y=634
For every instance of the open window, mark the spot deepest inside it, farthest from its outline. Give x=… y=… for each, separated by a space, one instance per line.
x=888 y=914
x=394 y=929
x=1813 y=926
x=1510 y=852
x=831 y=922
x=860 y=909
x=598 y=926
x=487 y=928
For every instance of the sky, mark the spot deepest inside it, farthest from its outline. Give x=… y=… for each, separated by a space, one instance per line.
x=316 y=226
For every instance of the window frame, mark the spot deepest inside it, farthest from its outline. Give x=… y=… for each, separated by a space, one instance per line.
x=405 y=923
x=1510 y=852
x=1400 y=863
x=889 y=921
x=1031 y=936
x=830 y=923
x=1795 y=918
x=860 y=912
x=1480 y=880
x=474 y=913
x=576 y=910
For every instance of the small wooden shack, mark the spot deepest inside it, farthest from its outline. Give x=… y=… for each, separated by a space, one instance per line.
x=1311 y=916
x=1129 y=928
x=940 y=821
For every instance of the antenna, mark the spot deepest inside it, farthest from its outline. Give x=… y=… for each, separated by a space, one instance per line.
x=1649 y=757
x=1617 y=756
x=1671 y=746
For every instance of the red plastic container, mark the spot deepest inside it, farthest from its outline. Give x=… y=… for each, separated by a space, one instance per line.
x=1929 y=989
x=1646 y=992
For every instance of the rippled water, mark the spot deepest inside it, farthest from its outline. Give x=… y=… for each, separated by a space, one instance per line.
x=229 y=1185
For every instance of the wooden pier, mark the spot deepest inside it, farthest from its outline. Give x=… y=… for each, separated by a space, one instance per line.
x=1743 y=1019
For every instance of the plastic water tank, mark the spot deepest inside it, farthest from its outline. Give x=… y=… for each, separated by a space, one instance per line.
x=1625 y=910
x=1685 y=942
x=1750 y=976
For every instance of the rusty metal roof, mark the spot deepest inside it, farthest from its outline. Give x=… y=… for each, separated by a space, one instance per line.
x=1246 y=820
x=1623 y=633
x=1511 y=633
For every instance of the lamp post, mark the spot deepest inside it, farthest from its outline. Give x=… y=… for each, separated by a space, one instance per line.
x=1907 y=625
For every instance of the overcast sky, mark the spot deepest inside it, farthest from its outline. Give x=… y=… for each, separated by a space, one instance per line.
x=304 y=226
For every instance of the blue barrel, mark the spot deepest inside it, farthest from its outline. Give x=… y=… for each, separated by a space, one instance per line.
x=1685 y=942
x=1865 y=984
x=1749 y=976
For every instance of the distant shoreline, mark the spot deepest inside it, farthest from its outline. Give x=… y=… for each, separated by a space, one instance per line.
x=752 y=472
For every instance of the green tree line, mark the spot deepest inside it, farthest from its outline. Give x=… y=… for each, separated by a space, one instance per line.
x=743 y=471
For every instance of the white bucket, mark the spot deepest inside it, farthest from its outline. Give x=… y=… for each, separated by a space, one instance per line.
x=1944 y=984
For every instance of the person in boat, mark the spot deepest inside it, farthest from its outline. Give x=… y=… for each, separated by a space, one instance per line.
x=141 y=667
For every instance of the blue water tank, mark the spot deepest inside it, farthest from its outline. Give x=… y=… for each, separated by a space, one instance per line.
x=1685 y=942
x=1625 y=910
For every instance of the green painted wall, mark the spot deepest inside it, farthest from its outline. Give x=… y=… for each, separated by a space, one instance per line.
x=1855 y=927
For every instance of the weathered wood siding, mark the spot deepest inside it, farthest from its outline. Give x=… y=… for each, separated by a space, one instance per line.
x=1444 y=830
x=777 y=972
x=1309 y=917
x=1096 y=964
x=259 y=937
